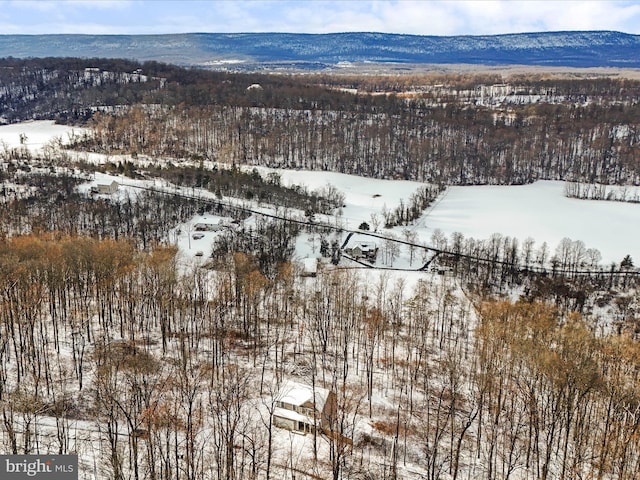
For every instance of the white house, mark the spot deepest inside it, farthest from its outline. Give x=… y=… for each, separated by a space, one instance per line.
x=309 y=267
x=106 y=188
x=303 y=408
x=368 y=250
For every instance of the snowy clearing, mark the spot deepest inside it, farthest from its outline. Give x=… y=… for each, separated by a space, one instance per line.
x=36 y=134
x=542 y=212
x=539 y=210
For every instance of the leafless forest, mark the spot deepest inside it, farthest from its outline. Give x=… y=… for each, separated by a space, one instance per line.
x=108 y=351
x=112 y=347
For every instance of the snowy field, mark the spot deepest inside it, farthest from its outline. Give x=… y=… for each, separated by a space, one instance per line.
x=37 y=134
x=540 y=210
x=363 y=196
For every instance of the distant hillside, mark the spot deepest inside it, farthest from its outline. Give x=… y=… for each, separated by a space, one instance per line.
x=569 y=49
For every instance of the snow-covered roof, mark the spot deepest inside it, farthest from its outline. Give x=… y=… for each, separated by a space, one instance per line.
x=298 y=394
x=207 y=224
x=108 y=184
x=291 y=415
x=365 y=246
x=310 y=264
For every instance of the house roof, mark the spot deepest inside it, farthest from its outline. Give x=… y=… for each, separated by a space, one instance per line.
x=207 y=224
x=310 y=264
x=365 y=246
x=112 y=184
x=298 y=394
x=291 y=415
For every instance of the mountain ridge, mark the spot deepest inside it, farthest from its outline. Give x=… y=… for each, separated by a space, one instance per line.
x=563 y=48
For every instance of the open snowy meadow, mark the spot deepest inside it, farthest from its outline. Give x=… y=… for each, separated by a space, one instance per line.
x=36 y=134
x=540 y=210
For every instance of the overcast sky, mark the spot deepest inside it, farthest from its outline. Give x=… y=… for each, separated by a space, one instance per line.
x=421 y=17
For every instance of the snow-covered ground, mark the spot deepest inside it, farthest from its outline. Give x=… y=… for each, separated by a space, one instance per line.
x=36 y=134
x=363 y=196
x=542 y=212
x=539 y=210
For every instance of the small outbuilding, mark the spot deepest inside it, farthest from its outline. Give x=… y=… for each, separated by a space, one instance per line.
x=105 y=188
x=208 y=226
x=309 y=267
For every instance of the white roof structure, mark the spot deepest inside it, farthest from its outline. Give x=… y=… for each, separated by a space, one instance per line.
x=310 y=265
x=299 y=394
x=366 y=246
x=291 y=415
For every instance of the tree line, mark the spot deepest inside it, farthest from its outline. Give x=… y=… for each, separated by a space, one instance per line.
x=452 y=144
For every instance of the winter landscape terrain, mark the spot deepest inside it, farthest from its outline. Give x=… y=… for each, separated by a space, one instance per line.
x=209 y=275
x=539 y=211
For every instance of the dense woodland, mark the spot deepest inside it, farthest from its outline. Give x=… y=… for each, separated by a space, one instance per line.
x=411 y=127
x=150 y=367
x=455 y=144
x=172 y=376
